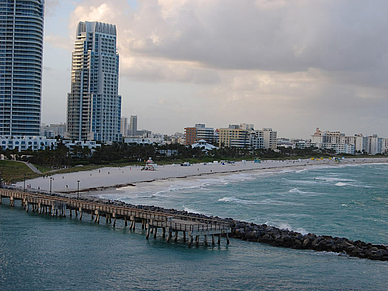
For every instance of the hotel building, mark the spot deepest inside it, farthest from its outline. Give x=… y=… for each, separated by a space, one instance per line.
x=245 y=136
x=199 y=132
x=93 y=104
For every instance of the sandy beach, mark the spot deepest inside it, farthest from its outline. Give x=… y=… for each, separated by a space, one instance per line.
x=111 y=177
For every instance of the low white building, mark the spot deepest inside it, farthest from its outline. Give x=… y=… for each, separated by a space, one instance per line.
x=143 y=140
x=22 y=143
x=90 y=144
x=340 y=148
x=204 y=144
x=301 y=144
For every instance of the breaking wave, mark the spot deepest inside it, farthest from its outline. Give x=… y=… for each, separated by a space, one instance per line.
x=262 y=202
x=296 y=190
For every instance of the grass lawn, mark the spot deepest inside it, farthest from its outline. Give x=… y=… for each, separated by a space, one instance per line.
x=43 y=169
x=11 y=171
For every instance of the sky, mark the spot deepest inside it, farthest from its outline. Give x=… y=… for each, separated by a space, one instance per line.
x=291 y=65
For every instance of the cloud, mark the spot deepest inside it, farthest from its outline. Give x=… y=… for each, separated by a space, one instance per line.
x=140 y=68
x=263 y=35
x=257 y=60
x=51 y=6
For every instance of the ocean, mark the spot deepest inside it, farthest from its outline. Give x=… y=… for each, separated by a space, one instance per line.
x=45 y=253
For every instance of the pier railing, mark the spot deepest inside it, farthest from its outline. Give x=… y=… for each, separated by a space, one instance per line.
x=177 y=222
x=182 y=226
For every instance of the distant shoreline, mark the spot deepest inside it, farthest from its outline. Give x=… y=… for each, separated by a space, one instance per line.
x=110 y=178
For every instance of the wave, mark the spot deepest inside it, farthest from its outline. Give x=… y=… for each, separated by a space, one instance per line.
x=296 y=190
x=334 y=179
x=340 y=184
x=236 y=200
x=263 y=202
x=108 y=196
x=286 y=226
x=175 y=188
x=166 y=188
x=159 y=194
x=299 y=229
x=191 y=210
x=304 y=182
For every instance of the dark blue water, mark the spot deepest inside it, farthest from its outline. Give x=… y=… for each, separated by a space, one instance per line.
x=44 y=253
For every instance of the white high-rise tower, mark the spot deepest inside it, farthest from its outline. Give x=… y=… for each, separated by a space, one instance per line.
x=93 y=105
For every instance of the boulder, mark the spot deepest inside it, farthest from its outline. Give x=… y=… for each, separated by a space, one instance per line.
x=306 y=243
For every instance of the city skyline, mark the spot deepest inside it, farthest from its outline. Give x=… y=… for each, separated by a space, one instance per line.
x=292 y=65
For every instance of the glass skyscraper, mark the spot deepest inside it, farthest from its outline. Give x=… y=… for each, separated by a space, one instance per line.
x=21 y=48
x=93 y=104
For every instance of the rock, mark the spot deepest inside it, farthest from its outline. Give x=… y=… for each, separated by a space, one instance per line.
x=306 y=243
x=297 y=244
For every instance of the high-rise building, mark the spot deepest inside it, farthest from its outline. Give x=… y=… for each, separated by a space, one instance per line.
x=270 y=138
x=190 y=135
x=21 y=48
x=93 y=104
x=124 y=126
x=133 y=125
x=199 y=132
x=375 y=145
x=234 y=136
x=361 y=143
x=245 y=136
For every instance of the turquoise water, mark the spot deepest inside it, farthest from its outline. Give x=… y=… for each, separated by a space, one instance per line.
x=40 y=252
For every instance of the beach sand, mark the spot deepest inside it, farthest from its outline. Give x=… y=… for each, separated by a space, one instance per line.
x=111 y=177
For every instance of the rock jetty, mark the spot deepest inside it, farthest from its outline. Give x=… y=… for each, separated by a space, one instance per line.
x=295 y=240
x=285 y=238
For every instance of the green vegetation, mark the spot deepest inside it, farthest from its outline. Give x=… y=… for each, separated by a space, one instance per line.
x=11 y=171
x=43 y=169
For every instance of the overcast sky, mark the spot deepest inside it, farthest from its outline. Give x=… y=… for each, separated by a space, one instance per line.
x=292 y=65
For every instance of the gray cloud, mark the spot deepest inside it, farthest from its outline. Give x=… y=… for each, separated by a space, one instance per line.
x=293 y=36
x=285 y=36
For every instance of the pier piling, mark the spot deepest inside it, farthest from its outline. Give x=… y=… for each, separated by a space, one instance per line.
x=55 y=205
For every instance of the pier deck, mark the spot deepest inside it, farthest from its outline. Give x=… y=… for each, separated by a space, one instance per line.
x=151 y=221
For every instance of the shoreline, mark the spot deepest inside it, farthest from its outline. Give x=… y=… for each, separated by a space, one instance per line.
x=104 y=179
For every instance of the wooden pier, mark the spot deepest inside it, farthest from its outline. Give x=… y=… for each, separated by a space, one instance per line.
x=170 y=225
